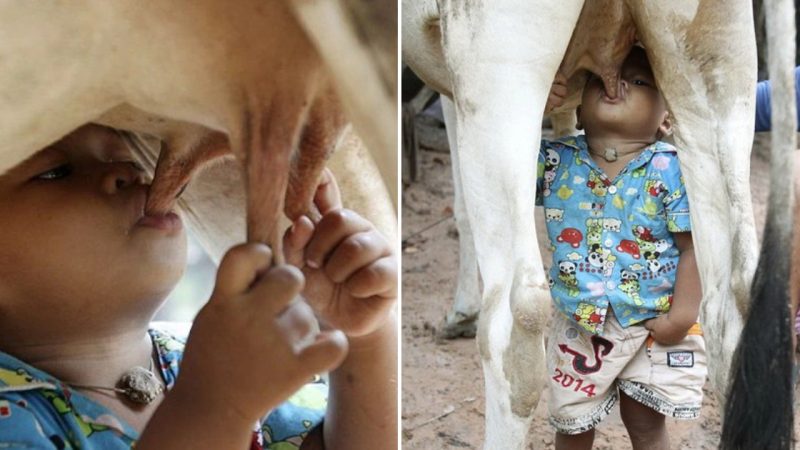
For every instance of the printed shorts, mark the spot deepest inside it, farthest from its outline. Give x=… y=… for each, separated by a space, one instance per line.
x=585 y=371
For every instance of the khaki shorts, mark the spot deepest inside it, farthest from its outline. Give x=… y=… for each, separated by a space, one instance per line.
x=585 y=371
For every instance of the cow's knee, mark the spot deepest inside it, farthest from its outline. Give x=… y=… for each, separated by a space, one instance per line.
x=524 y=358
x=530 y=301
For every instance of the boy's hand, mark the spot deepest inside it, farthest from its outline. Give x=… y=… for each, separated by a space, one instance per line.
x=665 y=331
x=249 y=346
x=558 y=92
x=350 y=269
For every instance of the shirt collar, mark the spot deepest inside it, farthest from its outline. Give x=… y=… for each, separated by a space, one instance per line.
x=16 y=375
x=579 y=144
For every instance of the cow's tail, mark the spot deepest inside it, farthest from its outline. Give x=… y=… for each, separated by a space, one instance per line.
x=758 y=413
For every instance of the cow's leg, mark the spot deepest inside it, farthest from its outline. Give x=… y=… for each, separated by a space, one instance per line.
x=708 y=80
x=502 y=57
x=758 y=412
x=462 y=320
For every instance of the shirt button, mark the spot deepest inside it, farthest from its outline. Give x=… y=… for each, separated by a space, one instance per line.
x=612 y=189
x=610 y=285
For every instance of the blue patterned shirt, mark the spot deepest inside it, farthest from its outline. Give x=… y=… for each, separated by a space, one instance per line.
x=39 y=411
x=612 y=240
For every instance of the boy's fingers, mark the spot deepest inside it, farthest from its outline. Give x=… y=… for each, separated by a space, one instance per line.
x=560 y=79
x=334 y=227
x=295 y=240
x=327 y=198
x=240 y=267
x=554 y=100
x=353 y=253
x=276 y=288
x=559 y=90
x=325 y=353
x=377 y=279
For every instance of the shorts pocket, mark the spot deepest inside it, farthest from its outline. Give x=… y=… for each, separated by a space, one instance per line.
x=680 y=369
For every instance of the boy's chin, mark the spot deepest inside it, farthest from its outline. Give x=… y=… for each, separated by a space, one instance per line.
x=608 y=125
x=162 y=261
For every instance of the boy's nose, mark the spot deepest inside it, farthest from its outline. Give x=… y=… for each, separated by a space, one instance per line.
x=121 y=175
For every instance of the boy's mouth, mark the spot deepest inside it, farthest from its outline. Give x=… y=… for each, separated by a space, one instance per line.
x=621 y=94
x=613 y=101
x=618 y=99
x=166 y=222
x=170 y=221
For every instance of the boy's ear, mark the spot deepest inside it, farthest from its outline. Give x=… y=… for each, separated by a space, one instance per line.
x=578 y=125
x=665 y=129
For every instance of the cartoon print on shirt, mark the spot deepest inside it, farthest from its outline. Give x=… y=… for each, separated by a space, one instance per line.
x=618 y=202
x=655 y=187
x=630 y=286
x=63 y=406
x=551 y=161
x=553 y=214
x=629 y=247
x=650 y=247
x=598 y=185
x=650 y=208
x=595 y=209
x=16 y=378
x=601 y=259
x=594 y=231
x=567 y=275
x=644 y=238
x=589 y=316
x=572 y=236
x=612 y=224
x=664 y=303
x=653 y=265
x=673 y=196
x=564 y=192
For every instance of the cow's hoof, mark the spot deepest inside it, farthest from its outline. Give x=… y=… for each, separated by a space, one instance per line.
x=459 y=325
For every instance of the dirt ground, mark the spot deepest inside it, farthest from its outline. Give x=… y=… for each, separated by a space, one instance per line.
x=443 y=405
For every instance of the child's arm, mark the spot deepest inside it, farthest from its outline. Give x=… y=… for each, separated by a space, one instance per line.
x=362 y=408
x=672 y=327
x=351 y=274
x=243 y=357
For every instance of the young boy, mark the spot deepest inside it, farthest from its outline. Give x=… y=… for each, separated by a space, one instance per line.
x=82 y=272
x=624 y=279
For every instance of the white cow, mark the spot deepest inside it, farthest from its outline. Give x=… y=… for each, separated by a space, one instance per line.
x=258 y=79
x=497 y=60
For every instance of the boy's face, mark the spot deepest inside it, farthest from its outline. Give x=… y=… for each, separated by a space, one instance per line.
x=636 y=113
x=70 y=239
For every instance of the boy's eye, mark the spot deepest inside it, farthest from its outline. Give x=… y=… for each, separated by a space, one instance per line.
x=55 y=173
x=639 y=82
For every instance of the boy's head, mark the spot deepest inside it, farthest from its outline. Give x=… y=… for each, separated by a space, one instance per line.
x=638 y=113
x=72 y=249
